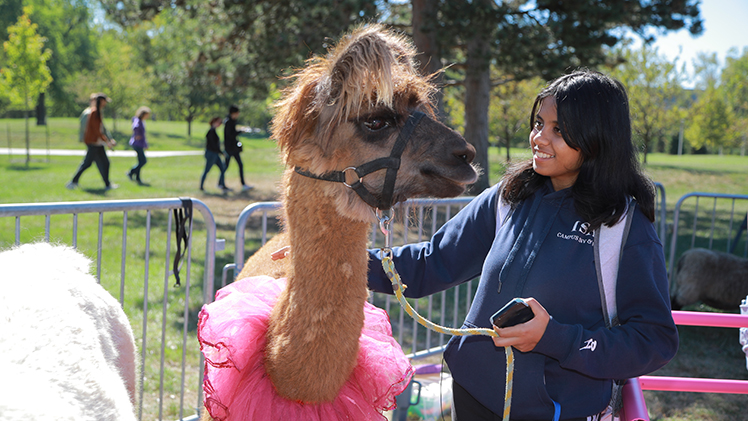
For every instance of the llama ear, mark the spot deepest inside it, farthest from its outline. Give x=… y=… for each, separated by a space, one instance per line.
x=362 y=73
x=296 y=116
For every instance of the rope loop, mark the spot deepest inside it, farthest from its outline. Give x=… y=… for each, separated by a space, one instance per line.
x=397 y=286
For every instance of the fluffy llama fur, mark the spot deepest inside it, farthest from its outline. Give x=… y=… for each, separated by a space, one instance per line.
x=68 y=349
x=324 y=123
x=715 y=278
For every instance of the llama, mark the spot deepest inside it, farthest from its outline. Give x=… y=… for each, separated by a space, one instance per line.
x=715 y=278
x=68 y=349
x=343 y=110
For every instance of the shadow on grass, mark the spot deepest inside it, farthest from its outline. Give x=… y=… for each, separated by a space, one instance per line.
x=24 y=167
x=99 y=192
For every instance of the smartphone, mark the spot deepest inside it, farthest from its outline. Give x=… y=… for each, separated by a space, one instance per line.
x=513 y=313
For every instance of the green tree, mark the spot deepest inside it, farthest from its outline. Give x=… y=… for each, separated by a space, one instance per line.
x=190 y=72
x=735 y=90
x=523 y=39
x=652 y=83
x=262 y=38
x=71 y=36
x=26 y=74
x=510 y=111
x=711 y=122
x=115 y=74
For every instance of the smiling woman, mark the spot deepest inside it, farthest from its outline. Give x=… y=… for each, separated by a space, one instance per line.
x=531 y=237
x=551 y=155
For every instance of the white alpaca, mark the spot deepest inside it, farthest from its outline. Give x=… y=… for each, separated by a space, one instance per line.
x=68 y=351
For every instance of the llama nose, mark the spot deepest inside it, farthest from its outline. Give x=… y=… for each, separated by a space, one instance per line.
x=466 y=154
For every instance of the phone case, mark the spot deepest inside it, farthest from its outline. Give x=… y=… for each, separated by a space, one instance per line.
x=513 y=313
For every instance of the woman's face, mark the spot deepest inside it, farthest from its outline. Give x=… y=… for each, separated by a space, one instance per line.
x=551 y=156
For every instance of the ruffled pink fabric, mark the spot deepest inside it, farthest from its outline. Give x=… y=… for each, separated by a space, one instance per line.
x=232 y=331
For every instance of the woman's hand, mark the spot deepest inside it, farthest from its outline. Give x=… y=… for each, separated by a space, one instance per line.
x=281 y=253
x=526 y=335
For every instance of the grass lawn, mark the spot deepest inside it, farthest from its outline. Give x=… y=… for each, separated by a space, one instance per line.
x=704 y=352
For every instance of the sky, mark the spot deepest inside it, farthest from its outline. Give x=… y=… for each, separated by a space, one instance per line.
x=725 y=23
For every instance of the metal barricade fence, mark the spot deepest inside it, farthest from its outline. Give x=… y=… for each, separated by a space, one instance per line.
x=416 y=220
x=718 y=225
x=661 y=213
x=135 y=237
x=124 y=230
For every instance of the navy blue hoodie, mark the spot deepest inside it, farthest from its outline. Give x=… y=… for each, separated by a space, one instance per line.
x=543 y=250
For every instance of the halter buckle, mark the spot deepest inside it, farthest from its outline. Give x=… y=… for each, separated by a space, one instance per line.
x=346 y=171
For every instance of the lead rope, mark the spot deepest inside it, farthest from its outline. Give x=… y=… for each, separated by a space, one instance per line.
x=397 y=286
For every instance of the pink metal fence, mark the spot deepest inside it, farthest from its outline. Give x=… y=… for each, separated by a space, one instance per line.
x=705 y=385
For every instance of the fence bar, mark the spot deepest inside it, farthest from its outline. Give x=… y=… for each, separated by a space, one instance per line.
x=661 y=220
x=75 y=231
x=241 y=224
x=188 y=281
x=98 y=248
x=124 y=259
x=145 y=309
x=698 y=318
x=164 y=304
x=687 y=384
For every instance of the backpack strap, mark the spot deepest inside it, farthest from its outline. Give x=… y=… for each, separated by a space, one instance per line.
x=608 y=249
x=609 y=242
x=503 y=211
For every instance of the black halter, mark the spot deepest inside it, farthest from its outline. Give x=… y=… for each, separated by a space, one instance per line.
x=391 y=163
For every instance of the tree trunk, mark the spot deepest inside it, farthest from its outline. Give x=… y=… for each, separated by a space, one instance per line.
x=429 y=54
x=477 y=98
x=508 y=135
x=41 y=111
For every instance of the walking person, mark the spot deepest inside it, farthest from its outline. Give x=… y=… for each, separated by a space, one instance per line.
x=139 y=142
x=213 y=154
x=531 y=236
x=96 y=141
x=232 y=145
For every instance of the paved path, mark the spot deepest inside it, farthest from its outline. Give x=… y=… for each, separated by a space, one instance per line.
x=82 y=152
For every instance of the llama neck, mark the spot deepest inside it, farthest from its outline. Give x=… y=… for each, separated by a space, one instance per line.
x=314 y=329
x=330 y=261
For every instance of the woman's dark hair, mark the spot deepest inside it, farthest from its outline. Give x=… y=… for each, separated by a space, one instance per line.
x=593 y=116
x=214 y=120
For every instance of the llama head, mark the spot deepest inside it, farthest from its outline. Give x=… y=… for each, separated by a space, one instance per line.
x=348 y=108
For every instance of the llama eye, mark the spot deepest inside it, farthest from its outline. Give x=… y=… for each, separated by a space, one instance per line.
x=376 y=124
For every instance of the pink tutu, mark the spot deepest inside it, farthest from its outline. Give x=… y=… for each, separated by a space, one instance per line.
x=232 y=331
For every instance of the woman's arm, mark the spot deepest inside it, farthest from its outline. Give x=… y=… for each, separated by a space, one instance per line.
x=646 y=338
x=454 y=255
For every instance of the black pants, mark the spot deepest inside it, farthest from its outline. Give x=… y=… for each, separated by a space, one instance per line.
x=97 y=154
x=237 y=156
x=135 y=171
x=466 y=408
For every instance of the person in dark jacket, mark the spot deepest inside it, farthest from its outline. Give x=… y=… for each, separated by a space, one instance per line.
x=232 y=144
x=213 y=154
x=582 y=173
